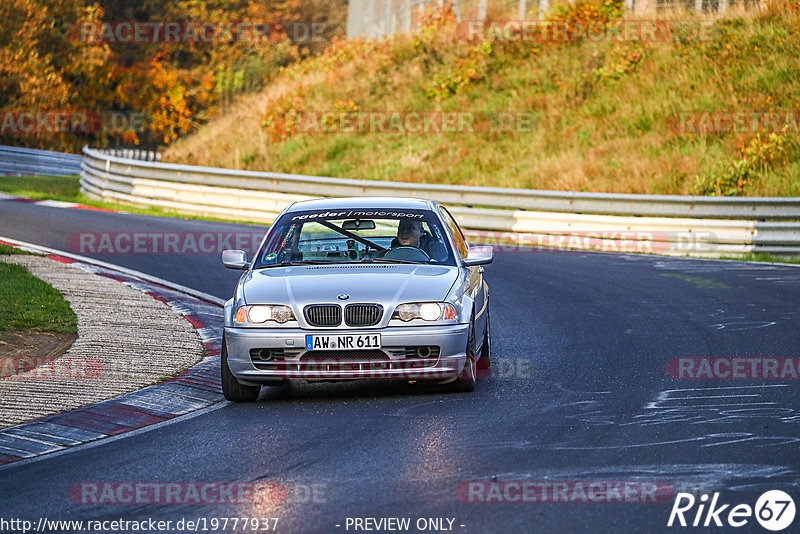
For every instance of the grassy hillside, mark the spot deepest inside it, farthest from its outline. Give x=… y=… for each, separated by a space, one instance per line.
x=603 y=110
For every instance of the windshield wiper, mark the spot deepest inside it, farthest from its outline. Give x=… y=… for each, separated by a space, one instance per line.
x=390 y=260
x=291 y=263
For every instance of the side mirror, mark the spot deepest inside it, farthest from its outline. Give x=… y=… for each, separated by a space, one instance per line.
x=479 y=255
x=234 y=259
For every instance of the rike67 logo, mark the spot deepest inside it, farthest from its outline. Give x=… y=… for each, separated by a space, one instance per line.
x=774 y=510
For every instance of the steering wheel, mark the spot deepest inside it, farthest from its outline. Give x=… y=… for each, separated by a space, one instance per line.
x=404 y=252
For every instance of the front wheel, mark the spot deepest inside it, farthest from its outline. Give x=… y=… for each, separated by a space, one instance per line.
x=231 y=388
x=467 y=378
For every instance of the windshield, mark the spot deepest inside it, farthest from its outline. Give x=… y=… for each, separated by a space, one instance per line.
x=356 y=235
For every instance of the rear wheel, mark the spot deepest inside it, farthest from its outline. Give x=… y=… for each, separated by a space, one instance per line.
x=467 y=378
x=231 y=388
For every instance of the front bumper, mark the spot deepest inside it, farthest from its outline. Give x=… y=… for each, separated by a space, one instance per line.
x=451 y=340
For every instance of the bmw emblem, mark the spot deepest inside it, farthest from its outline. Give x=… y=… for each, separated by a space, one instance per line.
x=343 y=296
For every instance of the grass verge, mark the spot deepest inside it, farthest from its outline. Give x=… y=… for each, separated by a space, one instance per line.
x=8 y=249
x=27 y=302
x=764 y=258
x=68 y=189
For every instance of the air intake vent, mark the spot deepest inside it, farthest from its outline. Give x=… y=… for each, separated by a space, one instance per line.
x=331 y=356
x=362 y=314
x=323 y=314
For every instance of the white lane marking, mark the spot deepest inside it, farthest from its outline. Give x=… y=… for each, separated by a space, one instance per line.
x=130 y=272
x=668 y=262
x=744 y=325
x=726 y=439
x=6 y=196
x=55 y=204
x=111 y=439
x=656 y=406
x=724 y=387
x=712 y=397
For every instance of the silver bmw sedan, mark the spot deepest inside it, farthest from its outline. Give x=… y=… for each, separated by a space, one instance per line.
x=357 y=288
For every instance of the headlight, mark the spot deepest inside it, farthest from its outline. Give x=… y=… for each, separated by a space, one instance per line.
x=261 y=313
x=427 y=311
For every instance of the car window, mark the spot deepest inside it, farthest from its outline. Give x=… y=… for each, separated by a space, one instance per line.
x=355 y=236
x=455 y=231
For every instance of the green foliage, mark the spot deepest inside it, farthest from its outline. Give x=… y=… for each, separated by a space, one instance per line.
x=621 y=61
x=736 y=177
x=467 y=70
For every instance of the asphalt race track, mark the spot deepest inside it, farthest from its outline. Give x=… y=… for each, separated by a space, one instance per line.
x=579 y=392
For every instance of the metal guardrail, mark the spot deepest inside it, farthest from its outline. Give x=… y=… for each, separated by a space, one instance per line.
x=142 y=154
x=647 y=223
x=490 y=197
x=22 y=161
x=377 y=18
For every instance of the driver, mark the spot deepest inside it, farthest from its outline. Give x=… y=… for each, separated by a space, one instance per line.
x=409 y=233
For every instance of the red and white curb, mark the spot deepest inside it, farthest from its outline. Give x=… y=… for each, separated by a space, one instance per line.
x=190 y=390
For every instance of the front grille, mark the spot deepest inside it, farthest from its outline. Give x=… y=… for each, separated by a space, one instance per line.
x=362 y=314
x=323 y=314
x=344 y=355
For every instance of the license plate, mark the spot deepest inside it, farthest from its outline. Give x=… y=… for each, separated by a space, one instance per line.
x=343 y=341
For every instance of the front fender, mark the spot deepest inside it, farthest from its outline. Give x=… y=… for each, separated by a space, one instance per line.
x=228 y=313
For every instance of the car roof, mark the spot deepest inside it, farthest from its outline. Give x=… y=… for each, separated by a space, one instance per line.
x=362 y=203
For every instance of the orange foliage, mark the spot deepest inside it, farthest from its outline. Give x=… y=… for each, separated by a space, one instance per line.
x=174 y=85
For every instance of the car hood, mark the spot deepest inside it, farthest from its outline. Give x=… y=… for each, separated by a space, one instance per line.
x=386 y=284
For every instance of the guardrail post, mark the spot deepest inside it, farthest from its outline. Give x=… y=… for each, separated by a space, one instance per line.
x=483 y=6
x=543 y=8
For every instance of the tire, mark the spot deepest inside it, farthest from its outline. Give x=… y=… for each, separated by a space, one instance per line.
x=467 y=378
x=484 y=363
x=231 y=388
